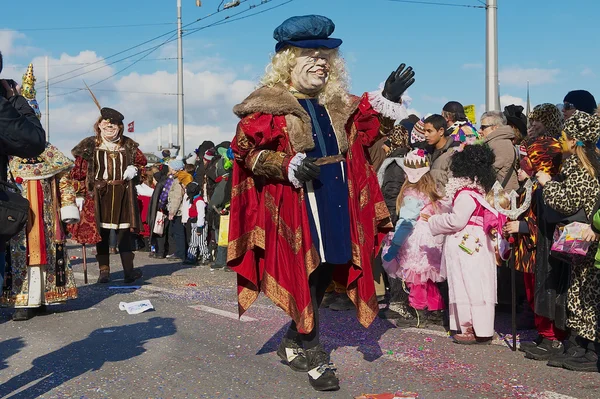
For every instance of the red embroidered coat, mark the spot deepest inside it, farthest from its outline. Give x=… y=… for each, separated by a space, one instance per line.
x=270 y=245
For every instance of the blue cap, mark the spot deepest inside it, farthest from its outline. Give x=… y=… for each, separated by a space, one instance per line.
x=176 y=164
x=307 y=31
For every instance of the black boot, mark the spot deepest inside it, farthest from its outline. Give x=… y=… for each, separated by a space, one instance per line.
x=130 y=274
x=22 y=314
x=588 y=362
x=545 y=350
x=321 y=373
x=528 y=345
x=292 y=353
x=574 y=350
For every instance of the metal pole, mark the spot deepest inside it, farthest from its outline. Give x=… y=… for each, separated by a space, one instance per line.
x=47 y=116
x=492 y=102
x=180 y=135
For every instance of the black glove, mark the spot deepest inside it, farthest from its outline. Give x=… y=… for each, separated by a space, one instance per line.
x=307 y=170
x=398 y=82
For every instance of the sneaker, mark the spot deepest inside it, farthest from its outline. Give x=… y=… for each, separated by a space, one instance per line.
x=588 y=362
x=292 y=353
x=571 y=353
x=321 y=373
x=524 y=346
x=342 y=303
x=545 y=350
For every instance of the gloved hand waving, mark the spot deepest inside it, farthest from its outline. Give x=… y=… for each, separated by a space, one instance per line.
x=398 y=82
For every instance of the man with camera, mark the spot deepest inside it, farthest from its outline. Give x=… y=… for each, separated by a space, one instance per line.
x=21 y=134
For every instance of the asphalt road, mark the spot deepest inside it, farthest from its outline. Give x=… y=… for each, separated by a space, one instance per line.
x=193 y=346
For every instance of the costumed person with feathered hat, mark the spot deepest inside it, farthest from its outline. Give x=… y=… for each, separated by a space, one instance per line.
x=306 y=205
x=39 y=272
x=107 y=165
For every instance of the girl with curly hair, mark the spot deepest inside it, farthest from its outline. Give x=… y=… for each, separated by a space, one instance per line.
x=468 y=259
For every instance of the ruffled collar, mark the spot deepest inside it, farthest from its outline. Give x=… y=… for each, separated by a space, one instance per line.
x=455 y=184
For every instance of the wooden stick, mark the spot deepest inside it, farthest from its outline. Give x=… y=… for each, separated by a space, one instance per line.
x=84 y=257
x=93 y=97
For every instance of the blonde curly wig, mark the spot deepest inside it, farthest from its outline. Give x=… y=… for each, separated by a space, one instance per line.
x=282 y=63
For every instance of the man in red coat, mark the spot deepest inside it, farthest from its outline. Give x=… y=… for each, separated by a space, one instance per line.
x=306 y=205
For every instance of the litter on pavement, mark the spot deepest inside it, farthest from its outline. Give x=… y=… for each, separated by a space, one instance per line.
x=136 y=307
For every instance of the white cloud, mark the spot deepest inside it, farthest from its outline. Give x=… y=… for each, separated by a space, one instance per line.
x=472 y=66
x=508 y=100
x=516 y=76
x=588 y=73
x=10 y=42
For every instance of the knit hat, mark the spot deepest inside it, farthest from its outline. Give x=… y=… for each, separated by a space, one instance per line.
x=417 y=134
x=583 y=127
x=415 y=165
x=583 y=100
x=176 y=164
x=209 y=154
x=550 y=116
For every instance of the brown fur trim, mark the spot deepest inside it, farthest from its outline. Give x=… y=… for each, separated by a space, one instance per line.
x=85 y=148
x=277 y=100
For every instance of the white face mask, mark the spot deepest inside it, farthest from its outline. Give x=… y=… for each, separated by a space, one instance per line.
x=311 y=71
x=108 y=130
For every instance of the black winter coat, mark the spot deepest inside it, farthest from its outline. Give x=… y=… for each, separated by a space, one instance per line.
x=21 y=133
x=391 y=178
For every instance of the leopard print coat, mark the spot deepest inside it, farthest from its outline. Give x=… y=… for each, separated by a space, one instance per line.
x=579 y=190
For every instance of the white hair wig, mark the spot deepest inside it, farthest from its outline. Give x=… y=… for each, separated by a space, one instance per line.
x=282 y=63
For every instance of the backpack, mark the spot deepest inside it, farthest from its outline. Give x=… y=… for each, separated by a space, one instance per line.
x=14 y=210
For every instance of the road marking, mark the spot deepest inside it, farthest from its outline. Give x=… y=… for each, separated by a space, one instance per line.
x=554 y=395
x=223 y=313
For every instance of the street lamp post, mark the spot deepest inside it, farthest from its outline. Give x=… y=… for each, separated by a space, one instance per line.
x=180 y=129
x=492 y=101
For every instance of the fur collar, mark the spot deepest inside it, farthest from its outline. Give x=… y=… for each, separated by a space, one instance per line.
x=277 y=100
x=456 y=184
x=85 y=148
x=387 y=162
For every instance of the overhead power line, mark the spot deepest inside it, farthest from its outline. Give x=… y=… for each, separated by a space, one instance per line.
x=435 y=3
x=85 y=27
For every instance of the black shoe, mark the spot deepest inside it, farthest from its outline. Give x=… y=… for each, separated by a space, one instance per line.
x=292 y=354
x=321 y=373
x=328 y=299
x=524 y=346
x=419 y=320
x=546 y=350
x=588 y=362
x=343 y=303
x=217 y=266
x=435 y=317
x=188 y=261
x=22 y=314
x=571 y=353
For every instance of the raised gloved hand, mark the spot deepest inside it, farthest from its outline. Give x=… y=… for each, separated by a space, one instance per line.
x=398 y=82
x=130 y=172
x=307 y=170
x=391 y=253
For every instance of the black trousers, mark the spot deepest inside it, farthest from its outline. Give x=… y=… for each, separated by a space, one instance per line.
x=123 y=241
x=318 y=282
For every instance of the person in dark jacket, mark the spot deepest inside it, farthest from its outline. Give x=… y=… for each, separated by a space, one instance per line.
x=21 y=135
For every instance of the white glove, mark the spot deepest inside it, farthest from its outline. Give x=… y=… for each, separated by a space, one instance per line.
x=69 y=214
x=130 y=172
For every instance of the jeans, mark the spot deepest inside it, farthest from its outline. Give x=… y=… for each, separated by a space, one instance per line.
x=177 y=232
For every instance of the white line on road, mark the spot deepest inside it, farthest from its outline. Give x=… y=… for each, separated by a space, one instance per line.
x=554 y=395
x=223 y=313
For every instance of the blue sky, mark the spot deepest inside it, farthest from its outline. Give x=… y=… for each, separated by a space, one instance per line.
x=547 y=42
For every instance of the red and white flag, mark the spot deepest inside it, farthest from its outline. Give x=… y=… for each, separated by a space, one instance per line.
x=130 y=127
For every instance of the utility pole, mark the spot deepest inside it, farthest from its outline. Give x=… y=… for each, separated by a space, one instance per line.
x=180 y=135
x=47 y=114
x=492 y=102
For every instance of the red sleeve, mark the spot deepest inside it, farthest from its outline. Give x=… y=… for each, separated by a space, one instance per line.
x=139 y=159
x=366 y=121
x=79 y=171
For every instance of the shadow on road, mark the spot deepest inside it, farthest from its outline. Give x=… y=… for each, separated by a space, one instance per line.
x=9 y=348
x=342 y=329
x=111 y=344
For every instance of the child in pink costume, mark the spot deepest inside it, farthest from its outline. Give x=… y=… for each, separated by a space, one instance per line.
x=414 y=254
x=469 y=261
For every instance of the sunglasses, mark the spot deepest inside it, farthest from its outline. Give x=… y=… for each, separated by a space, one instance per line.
x=565 y=106
x=483 y=127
